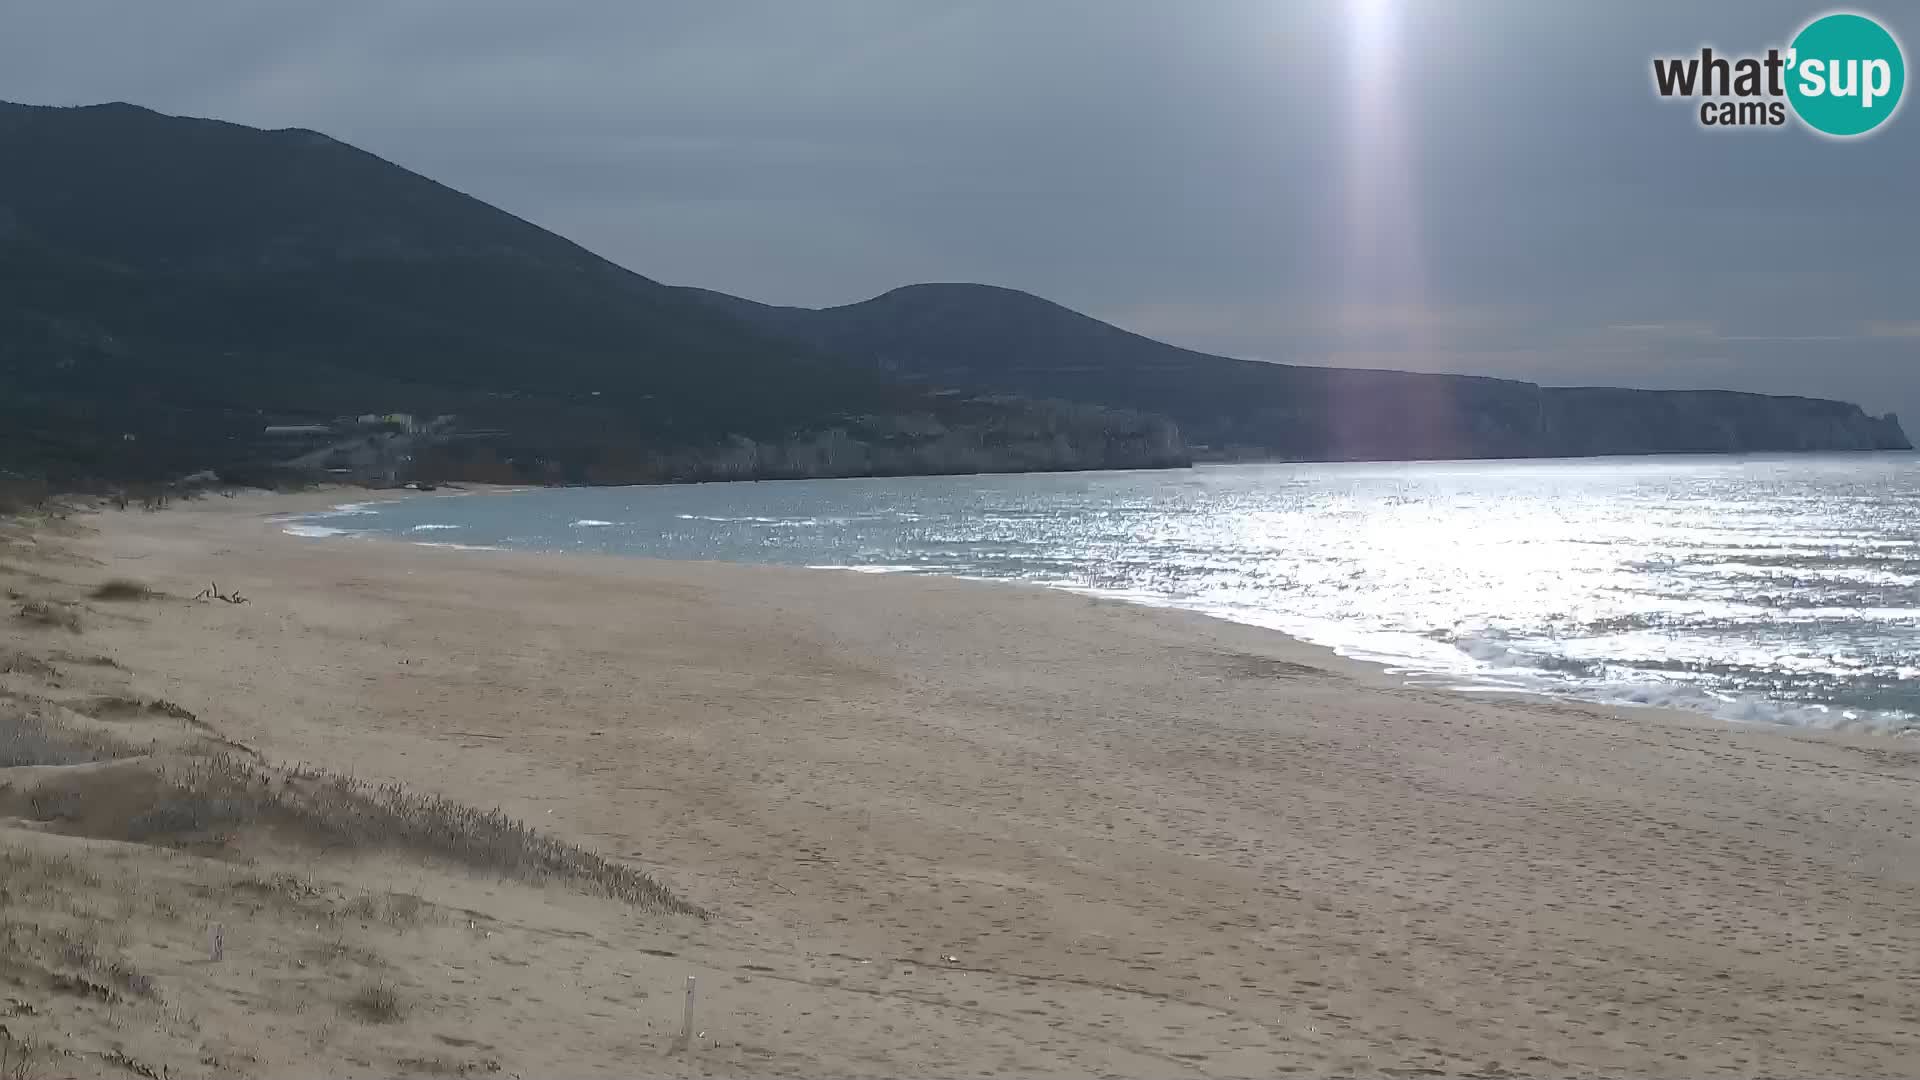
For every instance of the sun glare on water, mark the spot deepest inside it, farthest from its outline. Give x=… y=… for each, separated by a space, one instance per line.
x=1381 y=311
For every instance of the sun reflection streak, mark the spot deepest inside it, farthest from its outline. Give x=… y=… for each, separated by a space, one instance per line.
x=1383 y=295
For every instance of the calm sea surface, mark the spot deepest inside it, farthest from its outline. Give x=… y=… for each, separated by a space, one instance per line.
x=1779 y=589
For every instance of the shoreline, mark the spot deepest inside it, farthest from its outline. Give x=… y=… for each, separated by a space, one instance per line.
x=1685 y=698
x=950 y=828
x=1329 y=658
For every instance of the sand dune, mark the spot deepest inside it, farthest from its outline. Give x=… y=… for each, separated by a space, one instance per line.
x=952 y=828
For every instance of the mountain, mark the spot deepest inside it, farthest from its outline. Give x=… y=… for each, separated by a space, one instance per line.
x=988 y=339
x=169 y=287
x=180 y=294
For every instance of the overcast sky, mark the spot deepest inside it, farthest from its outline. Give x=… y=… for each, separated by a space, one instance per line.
x=1481 y=187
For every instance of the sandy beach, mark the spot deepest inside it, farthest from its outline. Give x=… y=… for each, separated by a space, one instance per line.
x=952 y=828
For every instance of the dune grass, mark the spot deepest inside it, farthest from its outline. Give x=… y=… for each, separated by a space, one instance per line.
x=207 y=797
x=14 y=662
x=218 y=792
x=27 y=739
x=49 y=614
x=377 y=1003
x=123 y=590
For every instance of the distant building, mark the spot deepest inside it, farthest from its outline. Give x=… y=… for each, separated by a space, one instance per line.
x=399 y=421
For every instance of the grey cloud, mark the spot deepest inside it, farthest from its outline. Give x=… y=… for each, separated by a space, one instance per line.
x=1188 y=170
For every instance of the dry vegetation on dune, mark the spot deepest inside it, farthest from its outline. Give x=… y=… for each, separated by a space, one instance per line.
x=49 y=614
x=123 y=590
x=29 y=739
x=198 y=789
x=56 y=935
x=17 y=662
x=209 y=798
x=377 y=1003
x=130 y=831
x=119 y=889
x=129 y=959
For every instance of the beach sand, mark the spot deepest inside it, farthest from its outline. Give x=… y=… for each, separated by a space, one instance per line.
x=961 y=829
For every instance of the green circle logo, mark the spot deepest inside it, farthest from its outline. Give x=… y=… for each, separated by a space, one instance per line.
x=1845 y=74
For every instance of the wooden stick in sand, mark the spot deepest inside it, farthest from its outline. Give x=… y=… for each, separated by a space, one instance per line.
x=686 y=1022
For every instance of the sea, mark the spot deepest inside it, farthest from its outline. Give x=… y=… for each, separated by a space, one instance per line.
x=1775 y=590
